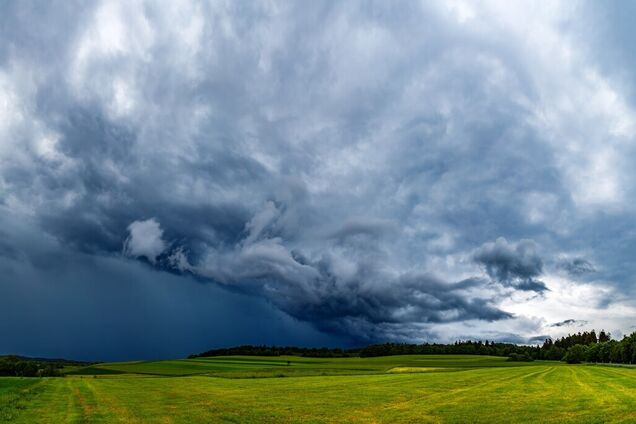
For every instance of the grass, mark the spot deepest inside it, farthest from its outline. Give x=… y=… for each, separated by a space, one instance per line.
x=401 y=389
x=291 y=366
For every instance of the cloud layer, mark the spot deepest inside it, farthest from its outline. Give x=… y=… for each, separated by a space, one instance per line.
x=378 y=171
x=516 y=266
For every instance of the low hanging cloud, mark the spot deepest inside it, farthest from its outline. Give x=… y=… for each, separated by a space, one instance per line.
x=145 y=240
x=345 y=289
x=570 y=323
x=514 y=265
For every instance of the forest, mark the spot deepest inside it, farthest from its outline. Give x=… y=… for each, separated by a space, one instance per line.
x=587 y=346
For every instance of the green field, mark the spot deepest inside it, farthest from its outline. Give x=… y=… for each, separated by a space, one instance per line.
x=398 y=389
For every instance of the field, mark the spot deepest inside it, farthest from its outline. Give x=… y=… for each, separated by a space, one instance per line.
x=398 y=389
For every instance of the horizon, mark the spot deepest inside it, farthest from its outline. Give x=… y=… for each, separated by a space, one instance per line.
x=175 y=177
x=353 y=349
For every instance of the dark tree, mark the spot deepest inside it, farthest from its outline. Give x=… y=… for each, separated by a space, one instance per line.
x=575 y=355
x=604 y=337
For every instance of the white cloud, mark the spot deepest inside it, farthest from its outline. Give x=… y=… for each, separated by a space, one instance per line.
x=568 y=299
x=145 y=240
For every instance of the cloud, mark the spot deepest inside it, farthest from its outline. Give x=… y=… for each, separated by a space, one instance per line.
x=340 y=161
x=260 y=222
x=515 y=265
x=113 y=308
x=576 y=266
x=569 y=323
x=145 y=240
x=344 y=290
x=364 y=227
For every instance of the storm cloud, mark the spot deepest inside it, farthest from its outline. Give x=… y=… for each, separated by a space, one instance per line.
x=516 y=265
x=577 y=266
x=368 y=170
x=569 y=323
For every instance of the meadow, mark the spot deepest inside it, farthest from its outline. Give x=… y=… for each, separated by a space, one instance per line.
x=394 y=389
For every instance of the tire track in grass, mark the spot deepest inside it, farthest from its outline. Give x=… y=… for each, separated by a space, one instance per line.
x=81 y=406
x=73 y=404
x=86 y=401
x=71 y=411
x=626 y=375
x=533 y=384
x=623 y=397
x=174 y=402
x=540 y=379
x=433 y=402
x=615 y=385
x=498 y=399
x=55 y=404
x=111 y=404
x=351 y=400
x=578 y=395
x=586 y=396
x=538 y=375
x=17 y=401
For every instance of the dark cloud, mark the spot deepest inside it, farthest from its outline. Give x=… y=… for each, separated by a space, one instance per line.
x=348 y=293
x=123 y=309
x=514 y=265
x=374 y=228
x=570 y=323
x=351 y=307
x=577 y=266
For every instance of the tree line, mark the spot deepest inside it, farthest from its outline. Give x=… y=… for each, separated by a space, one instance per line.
x=465 y=347
x=607 y=351
x=384 y=349
x=585 y=346
x=262 y=350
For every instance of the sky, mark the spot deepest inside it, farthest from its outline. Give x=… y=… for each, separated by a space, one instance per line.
x=178 y=176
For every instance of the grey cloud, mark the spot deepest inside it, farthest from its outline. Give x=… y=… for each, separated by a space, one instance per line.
x=364 y=227
x=576 y=266
x=570 y=323
x=410 y=300
x=516 y=265
x=342 y=292
x=504 y=337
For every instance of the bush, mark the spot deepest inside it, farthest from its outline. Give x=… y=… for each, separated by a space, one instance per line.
x=520 y=357
x=575 y=355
